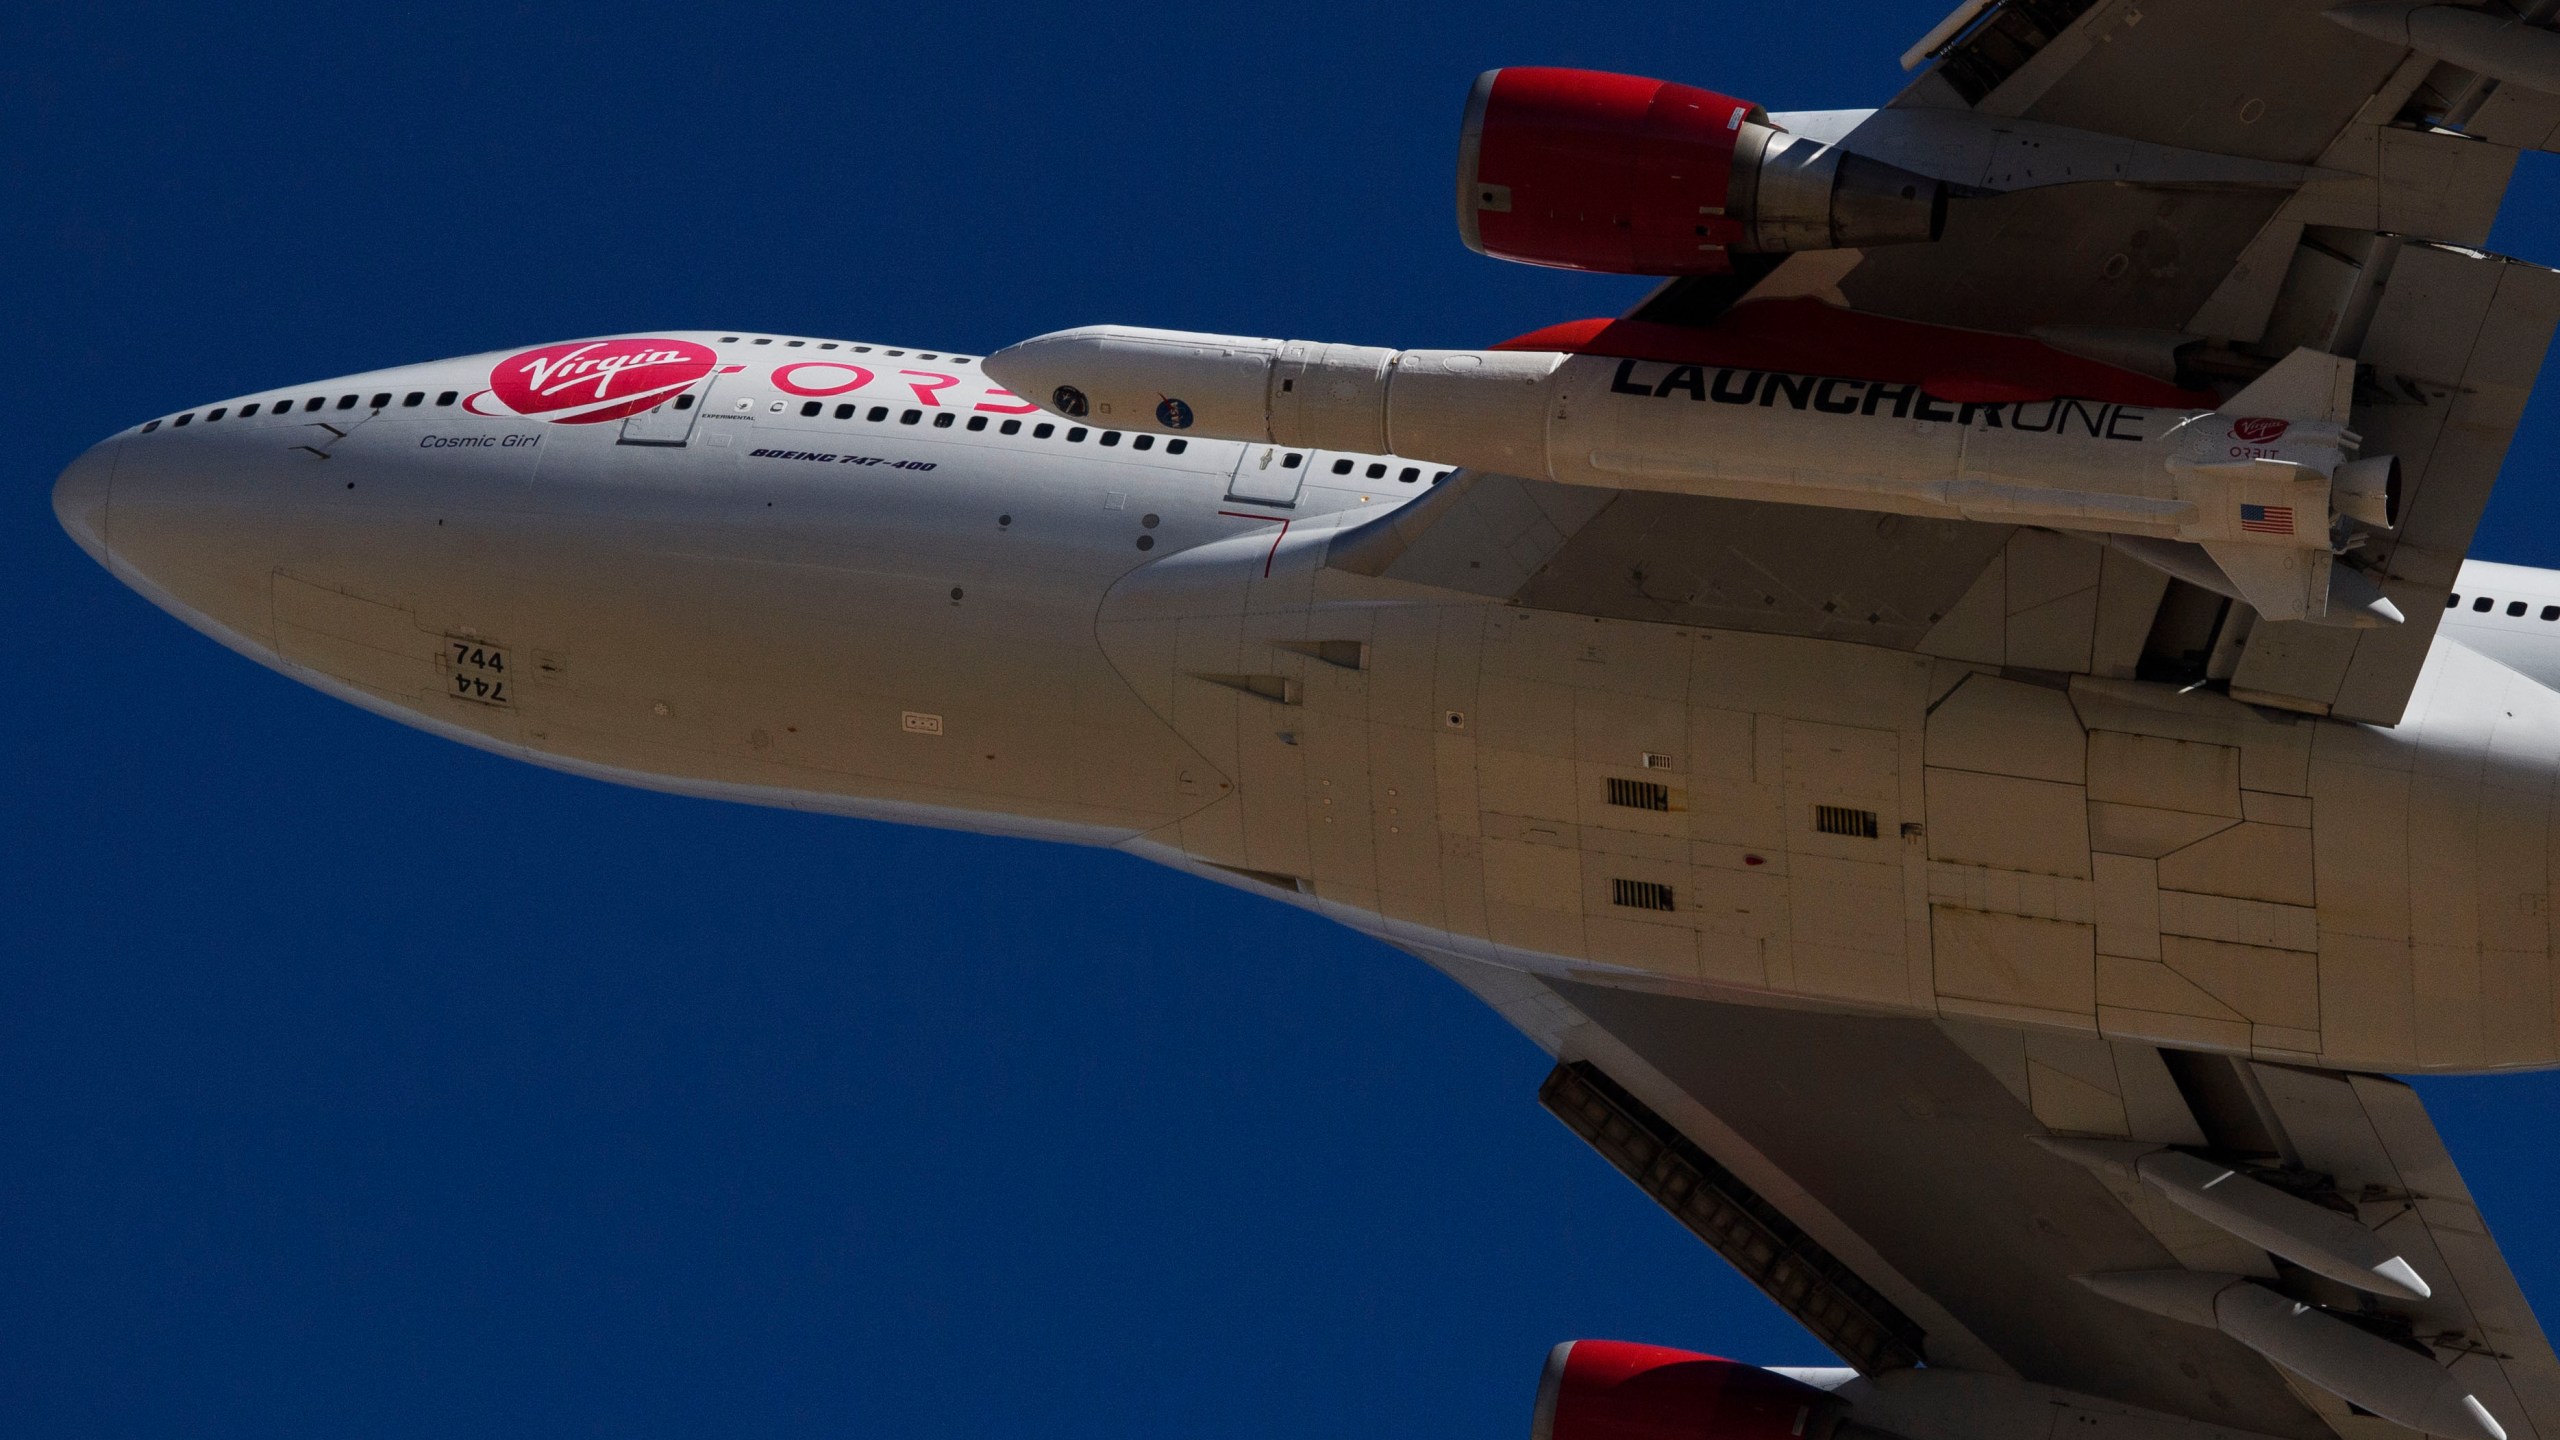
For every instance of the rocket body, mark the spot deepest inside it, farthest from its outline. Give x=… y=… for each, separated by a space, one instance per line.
x=2255 y=490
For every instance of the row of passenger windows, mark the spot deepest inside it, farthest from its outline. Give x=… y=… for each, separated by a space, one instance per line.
x=942 y=420
x=316 y=402
x=945 y=419
x=2482 y=604
x=851 y=349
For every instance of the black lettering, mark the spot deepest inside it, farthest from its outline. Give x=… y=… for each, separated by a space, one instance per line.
x=1901 y=396
x=1684 y=377
x=1826 y=402
x=1797 y=388
x=2018 y=417
x=1990 y=414
x=1620 y=386
x=1725 y=394
x=1930 y=409
x=2088 y=417
x=2118 y=416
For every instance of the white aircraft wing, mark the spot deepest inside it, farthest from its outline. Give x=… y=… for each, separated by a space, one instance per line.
x=2366 y=247
x=1884 y=1182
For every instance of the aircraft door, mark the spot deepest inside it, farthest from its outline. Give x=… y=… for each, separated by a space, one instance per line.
x=670 y=421
x=1268 y=475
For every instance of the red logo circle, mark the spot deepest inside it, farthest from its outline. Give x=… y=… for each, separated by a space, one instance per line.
x=582 y=382
x=2259 y=430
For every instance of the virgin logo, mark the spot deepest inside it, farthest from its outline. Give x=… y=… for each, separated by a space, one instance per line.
x=583 y=382
x=2259 y=431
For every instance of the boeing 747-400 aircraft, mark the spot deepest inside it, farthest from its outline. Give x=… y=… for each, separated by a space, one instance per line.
x=1962 y=723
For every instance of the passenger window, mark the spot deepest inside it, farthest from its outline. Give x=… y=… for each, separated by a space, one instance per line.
x=314 y=403
x=1377 y=470
x=1176 y=447
x=1076 y=434
x=944 y=420
x=382 y=401
x=810 y=407
x=844 y=412
x=1110 y=437
x=2515 y=608
x=977 y=422
x=683 y=402
x=794 y=344
x=826 y=344
x=447 y=398
x=249 y=409
x=1292 y=460
x=148 y=428
x=1143 y=442
x=214 y=414
x=181 y=420
x=2482 y=604
x=878 y=414
x=1010 y=427
x=413 y=398
x=763 y=342
x=2452 y=602
x=1043 y=430
x=728 y=339
x=1409 y=474
x=2551 y=612
x=346 y=402
x=1443 y=475
x=1341 y=467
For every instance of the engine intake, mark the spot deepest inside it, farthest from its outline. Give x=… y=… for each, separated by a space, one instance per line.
x=1585 y=170
x=1613 y=1390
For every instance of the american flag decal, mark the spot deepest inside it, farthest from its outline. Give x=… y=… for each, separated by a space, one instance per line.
x=2267 y=519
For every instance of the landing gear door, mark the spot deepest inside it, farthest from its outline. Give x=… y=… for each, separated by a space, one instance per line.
x=670 y=421
x=1268 y=475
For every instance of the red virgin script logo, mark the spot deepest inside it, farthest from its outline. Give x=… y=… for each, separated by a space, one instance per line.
x=2259 y=431
x=583 y=382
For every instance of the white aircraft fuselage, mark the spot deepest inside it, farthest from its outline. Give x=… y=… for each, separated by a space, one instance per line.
x=864 y=581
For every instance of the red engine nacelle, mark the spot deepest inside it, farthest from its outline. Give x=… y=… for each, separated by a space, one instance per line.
x=1612 y=1390
x=1586 y=170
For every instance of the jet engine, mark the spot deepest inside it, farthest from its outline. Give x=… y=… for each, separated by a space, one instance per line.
x=1612 y=1390
x=1585 y=170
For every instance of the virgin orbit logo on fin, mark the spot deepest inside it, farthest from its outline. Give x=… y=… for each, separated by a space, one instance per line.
x=583 y=382
x=2259 y=430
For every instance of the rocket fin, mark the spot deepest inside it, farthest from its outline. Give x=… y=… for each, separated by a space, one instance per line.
x=2305 y=385
x=2280 y=582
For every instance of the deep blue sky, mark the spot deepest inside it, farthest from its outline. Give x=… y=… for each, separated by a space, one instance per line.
x=352 y=1083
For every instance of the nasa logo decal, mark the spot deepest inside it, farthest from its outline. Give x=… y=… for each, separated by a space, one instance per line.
x=1172 y=414
x=2259 y=430
x=584 y=382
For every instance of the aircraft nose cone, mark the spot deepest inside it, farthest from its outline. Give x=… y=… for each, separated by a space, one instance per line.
x=80 y=499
